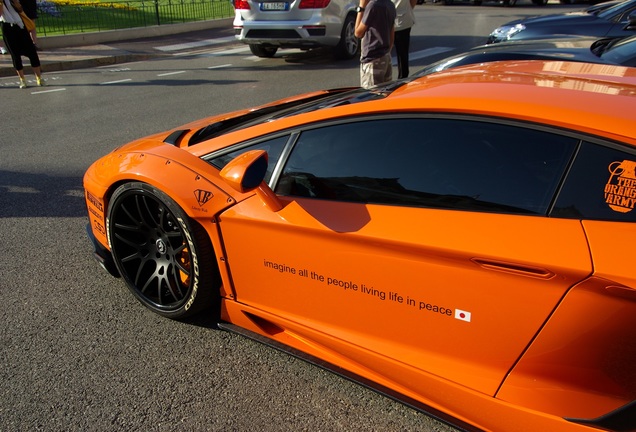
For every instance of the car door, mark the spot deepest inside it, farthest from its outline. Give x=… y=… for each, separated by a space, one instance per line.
x=421 y=239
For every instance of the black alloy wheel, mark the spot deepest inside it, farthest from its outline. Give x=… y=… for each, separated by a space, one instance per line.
x=165 y=258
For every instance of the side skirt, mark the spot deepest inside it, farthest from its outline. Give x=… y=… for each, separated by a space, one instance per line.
x=622 y=419
x=391 y=394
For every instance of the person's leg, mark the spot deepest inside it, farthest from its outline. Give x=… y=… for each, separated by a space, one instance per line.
x=402 y=46
x=366 y=75
x=376 y=72
x=38 y=76
x=29 y=50
x=11 y=39
x=23 y=83
x=382 y=69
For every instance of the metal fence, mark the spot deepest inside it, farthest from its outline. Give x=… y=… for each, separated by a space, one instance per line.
x=61 y=17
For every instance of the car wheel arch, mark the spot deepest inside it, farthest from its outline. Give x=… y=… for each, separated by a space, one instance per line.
x=165 y=257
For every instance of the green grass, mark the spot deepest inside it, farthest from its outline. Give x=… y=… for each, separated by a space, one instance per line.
x=74 y=16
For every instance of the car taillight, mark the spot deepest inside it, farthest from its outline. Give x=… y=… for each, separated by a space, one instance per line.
x=313 y=4
x=241 y=4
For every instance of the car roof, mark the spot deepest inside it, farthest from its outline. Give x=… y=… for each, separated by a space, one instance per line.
x=592 y=98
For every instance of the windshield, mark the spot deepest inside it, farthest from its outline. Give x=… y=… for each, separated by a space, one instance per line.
x=617 y=9
x=621 y=51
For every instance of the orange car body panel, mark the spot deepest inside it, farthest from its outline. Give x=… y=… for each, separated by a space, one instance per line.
x=345 y=278
x=429 y=307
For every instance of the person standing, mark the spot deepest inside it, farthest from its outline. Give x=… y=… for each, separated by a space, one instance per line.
x=375 y=25
x=18 y=41
x=405 y=19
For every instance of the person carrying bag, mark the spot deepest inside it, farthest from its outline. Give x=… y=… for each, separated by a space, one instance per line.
x=18 y=41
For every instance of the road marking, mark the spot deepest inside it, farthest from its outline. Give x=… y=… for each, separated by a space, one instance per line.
x=171 y=73
x=256 y=59
x=226 y=52
x=220 y=66
x=425 y=53
x=48 y=91
x=197 y=44
x=115 y=82
x=119 y=70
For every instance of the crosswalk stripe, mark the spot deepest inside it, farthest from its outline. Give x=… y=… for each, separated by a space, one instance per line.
x=197 y=44
x=428 y=52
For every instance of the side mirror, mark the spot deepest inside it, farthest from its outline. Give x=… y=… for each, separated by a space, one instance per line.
x=246 y=172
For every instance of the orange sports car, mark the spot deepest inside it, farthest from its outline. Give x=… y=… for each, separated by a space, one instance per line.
x=460 y=241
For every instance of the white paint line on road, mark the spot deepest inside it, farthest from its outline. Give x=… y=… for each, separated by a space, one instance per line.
x=220 y=66
x=197 y=44
x=48 y=91
x=226 y=52
x=171 y=73
x=115 y=82
x=415 y=55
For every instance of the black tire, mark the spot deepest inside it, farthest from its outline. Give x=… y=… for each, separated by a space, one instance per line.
x=349 y=45
x=477 y=2
x=266 y=51
x=165 y=258
x=565 y=1
x=539 y=2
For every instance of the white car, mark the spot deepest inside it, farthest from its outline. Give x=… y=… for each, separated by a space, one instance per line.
x=267 y=26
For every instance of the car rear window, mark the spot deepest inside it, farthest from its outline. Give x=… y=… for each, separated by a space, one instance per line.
x=601 y=185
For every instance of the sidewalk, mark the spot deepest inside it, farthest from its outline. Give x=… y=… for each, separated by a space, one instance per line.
x=85 y=51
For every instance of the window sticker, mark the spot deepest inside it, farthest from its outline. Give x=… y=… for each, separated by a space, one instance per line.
x=620 y=190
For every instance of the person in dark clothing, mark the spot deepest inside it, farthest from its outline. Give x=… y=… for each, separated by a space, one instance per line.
x=18 y=41
x=375 y=26
x=403 y=23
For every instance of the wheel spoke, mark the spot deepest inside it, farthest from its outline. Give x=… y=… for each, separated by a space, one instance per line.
x=175 y=287
x=131 y=257
x=182 y=269
x=124 y=208
x=148 y=282
x=128 y=242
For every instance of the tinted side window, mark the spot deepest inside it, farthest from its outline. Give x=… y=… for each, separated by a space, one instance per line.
x=460 y=164
x=600 y=185
x=273 y=147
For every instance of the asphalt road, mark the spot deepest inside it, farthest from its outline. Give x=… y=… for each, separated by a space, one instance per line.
x=77 y=351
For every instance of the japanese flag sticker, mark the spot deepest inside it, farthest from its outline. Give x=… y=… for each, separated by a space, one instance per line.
x=462 y=315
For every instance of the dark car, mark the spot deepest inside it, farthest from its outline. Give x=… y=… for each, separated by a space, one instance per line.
x=613 y=51
x=615 y=21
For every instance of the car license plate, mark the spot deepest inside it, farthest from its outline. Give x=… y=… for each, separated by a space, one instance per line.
x=274 y=6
